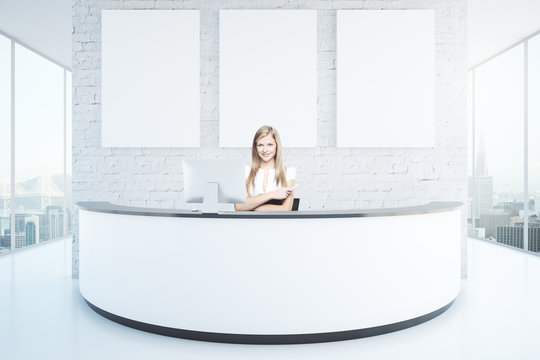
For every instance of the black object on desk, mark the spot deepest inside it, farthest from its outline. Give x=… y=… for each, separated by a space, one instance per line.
x=295 y=204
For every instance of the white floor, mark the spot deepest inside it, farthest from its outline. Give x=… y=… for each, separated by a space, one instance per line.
x=43 y=316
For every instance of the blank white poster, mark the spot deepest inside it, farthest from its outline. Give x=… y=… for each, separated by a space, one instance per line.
x=150 y=78
x=385 y=78
x=268 y=75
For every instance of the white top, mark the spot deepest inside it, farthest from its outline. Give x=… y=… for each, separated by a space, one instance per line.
x=290 y=174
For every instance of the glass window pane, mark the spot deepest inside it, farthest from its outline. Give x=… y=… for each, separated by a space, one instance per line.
x=534 y=144
x=5 y=143
x=470 y=231
x=39 y=148
x=499 y=122
x=69 y=210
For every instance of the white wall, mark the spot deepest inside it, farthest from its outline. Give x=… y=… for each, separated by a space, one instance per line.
x=331 y=177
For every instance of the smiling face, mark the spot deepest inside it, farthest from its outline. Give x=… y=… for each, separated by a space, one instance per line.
x=266 y=149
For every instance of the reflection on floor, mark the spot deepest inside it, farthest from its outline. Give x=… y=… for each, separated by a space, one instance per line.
x=43 y=316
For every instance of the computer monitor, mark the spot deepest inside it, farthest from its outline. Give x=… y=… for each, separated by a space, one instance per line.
x=212 y=182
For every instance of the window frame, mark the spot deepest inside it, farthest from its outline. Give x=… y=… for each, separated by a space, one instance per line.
x=14 y=42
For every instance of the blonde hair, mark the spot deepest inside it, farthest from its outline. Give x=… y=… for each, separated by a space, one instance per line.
x=256 y=161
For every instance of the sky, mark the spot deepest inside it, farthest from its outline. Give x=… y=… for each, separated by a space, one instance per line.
x=499 y=110
x=5 y=115
x=534 y=115
x=39 y=111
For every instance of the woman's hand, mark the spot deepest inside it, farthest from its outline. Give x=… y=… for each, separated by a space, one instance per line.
x=282 y=193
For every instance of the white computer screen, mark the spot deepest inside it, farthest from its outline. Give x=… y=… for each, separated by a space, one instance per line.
x=229 y=174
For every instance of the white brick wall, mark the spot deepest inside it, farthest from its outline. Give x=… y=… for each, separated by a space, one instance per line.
x=330 y=177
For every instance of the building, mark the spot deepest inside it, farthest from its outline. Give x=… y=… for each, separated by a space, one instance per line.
x=481 y=184
x=43 y=227
x=20 y=231
x=515 y=208
x=55 y=220
x=5 y=241
x=32 y=229
x=513 y=235
x=31 y=233
x=534 y=237
x=510 y=235
x=51 y=223
x=481 y=188
x=491 y=221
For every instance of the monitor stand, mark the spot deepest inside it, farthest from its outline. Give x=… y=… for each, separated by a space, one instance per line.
x=210 y=202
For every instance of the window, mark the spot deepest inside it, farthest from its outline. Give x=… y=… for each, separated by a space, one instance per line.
x=504 y=183
x=499 y=133
x=40 y=209
x=533 y=86
x=470 y=163
x=5 y=144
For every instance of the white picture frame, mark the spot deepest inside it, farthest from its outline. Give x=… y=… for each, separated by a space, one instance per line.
x=268 y=75
x=385 y=78
x=150 y=78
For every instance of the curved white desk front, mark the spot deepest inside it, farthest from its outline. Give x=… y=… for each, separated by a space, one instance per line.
x=270 y=277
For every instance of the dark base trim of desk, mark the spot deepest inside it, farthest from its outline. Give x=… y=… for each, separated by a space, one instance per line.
x=269 y=339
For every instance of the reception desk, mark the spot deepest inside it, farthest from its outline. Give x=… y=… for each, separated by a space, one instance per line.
x=270 y=278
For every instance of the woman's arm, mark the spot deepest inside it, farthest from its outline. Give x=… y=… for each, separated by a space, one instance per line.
x=253 y=202
x=285 y=206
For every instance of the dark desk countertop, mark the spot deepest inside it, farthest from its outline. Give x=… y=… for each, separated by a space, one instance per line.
x=432 y=207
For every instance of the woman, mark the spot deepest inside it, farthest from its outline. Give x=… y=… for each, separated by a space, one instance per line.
x=267 y=179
